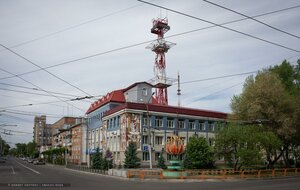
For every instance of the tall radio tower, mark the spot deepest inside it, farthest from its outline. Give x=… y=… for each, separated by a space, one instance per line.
x=160 y=47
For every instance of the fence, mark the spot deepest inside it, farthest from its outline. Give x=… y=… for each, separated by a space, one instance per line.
x=86 y=169
x=213 y=174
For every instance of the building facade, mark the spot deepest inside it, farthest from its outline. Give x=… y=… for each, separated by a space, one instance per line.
x=79 y=146
x=42 y=133
x=150 y=124
x=132 y=114
x=70 y=133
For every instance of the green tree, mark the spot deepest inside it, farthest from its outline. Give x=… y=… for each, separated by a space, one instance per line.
x=21 y=149
x=238 y=145
x=131 y=159
x=270 y=143
x=272 y=98
x=161 y=161
x=97 y=160
x=32 y=149
x=108 y=160
x=4 y=147
x=199 y=153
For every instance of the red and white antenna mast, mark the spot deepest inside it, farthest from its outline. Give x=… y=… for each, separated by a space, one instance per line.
x=160 y=47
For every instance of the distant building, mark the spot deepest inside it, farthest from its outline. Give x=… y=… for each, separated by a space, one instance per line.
x=42 y=133
x=63 y=123
x=79 y=146
x=70 y=133
x=122 y=116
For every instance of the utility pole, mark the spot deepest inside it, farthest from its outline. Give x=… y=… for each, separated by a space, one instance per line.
x=149 y=132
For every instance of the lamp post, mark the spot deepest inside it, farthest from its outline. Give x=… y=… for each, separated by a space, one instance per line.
x=149 y=132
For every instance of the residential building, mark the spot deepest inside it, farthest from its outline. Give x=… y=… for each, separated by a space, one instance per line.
x=79 y=146
x=62 y=134
x=42 y=133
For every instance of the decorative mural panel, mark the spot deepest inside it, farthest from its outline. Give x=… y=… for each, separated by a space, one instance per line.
x=103 y=132
x=123 y=132
x=134 y=129
x=130 y=130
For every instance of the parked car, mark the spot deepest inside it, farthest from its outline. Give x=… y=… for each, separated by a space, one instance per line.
x=39 y=162
x=2 y=160
x=30 y=160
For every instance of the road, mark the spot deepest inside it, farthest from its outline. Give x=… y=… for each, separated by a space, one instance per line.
x=16 y=171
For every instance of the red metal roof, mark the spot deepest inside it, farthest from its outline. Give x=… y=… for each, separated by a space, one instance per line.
x=168 y=109
x=114 y=96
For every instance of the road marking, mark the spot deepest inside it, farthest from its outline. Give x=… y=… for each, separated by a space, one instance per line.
x=13 y=170
x=28 y=168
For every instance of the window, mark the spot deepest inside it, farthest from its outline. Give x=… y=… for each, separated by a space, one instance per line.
x=146 y=121
x=169 y=156
x=146 y=156
x=170 y=123
x=97 y=135
x=202 y=126
x=192 y=125
x=157 y=155
x=158 y=122
x=144 y=92
x=211 y=127
x=158 y=140
x=145 y=139
x=181 y=124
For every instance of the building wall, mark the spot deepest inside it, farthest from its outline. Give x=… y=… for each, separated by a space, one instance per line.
x=78 y=148
x=94 y=126
x=42 y=134
x=133 y=127
x=141 y=93
x=63 y=123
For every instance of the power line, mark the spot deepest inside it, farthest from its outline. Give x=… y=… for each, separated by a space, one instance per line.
x=234 y=21
x=39 y=94
x=41 y=89
x=16 y=118
x=221 y=26
x=146 y=42
x=263 y=23
x=9 y=130
x=46 y=103
x=33 y=93
x=217 y=92
x=27 y=113
x=36 y=89
x=72 y=27
x=219 y=77
x=31 y=62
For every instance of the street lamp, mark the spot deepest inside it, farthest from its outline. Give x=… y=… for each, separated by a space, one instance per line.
x=149 y=132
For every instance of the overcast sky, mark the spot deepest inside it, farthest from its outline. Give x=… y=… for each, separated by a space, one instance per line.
x=48 y=33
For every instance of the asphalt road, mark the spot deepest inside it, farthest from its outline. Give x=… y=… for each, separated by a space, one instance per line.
x=18 y=172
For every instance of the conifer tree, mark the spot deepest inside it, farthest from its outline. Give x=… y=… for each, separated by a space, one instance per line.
x=97 y=160
x=161 y=162
x=131 y=159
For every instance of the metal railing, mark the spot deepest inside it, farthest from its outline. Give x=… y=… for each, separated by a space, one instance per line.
x=214 y=174
x=86 y=169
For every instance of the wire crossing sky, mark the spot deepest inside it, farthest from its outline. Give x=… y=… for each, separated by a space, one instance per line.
x=58 y=56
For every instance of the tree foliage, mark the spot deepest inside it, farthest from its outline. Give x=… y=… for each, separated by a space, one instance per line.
x=131 y=159
x=271 y=99
x=161 y=162
x=238 y=145
x=96 y=161
x=5 y=147
x=198 y=154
